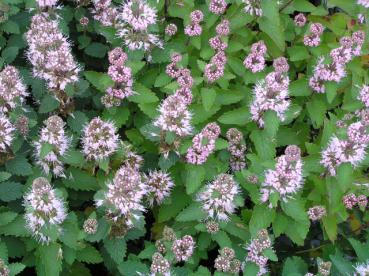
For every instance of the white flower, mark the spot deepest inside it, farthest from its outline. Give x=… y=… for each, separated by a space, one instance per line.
x=99 y=139
x=44 y=209
x=138 y=14
x=218 y=197
x=53 y=134
x=362 y=269
x=6 y=133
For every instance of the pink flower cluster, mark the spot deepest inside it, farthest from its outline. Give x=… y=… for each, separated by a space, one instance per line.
x=364 y=3
x=316 y=213
x=215 y=69
x=183 y=248
x=350 y=150
x=287 y=178
x=335 y=70
x=351 y=200
x=171 y=29
x=255 y=61
x=50 y=53
x=203 y=144
x=121 y=75
x=237 y=149
x=104 y=12
x=12 y=89
x=364 y=95
x=158 y=185
x=255 y=250
x=6 y=133
x=42 y=4
x=217 y=6
x=272 y=93
x=313 y=39
x=194 y=28
x=300 y=20
x=226 y=261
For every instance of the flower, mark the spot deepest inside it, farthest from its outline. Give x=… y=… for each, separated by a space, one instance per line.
x=104 y=12
x=270 y=94
x=138 y=14
x=46 y=3
x=364 y=3
x=364 y=95
x=362 y=269
x=99 y=139
x=217 y=6
x=171 y=29
x=183 y=248
x=362 y=201
x=236 y=148
x=122 y=198
x=255 y=250
x=90 y=226
x=324 y=268
x=121 y=75
x=349 y=200
x=50 y=54
x=223 y=27
x=139 y=40
x=253 y=7
x=203 y=144
x=6 y=133
x=53 y=136
x=218 y=197
x=158 y=185
x=212 y=227
x=286 y=179
x=226 y=262
x=4 y=269
x=300 y=20
x=84 y=21
x=45 y=210
x=254 y=62
x=12 y=90
x=160 y=265
x=316 y=213
x=174 y=116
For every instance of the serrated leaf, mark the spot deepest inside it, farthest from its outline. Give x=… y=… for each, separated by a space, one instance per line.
x=295 y=209
x=4 y=176
x=19 y=166
x=143 y=95
x=45 y=149
x=194 y=175
x=99 y=80
x=48 y=260
x=191 y=213
x=271 y=123
x=48 y=104
x=77 y=120
x=7 y=217
x=96 y=49
x=116 y=249
x=265 y=146
x=16 y=268
x=133 y=268
x=222 y=239
x=208 y=97
x=89 y=255
x=239 y=116
x=294 y=266
x=262 y=217
x=80 y=180
x=10 y=191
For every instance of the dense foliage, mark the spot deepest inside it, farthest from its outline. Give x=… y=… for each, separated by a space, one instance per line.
x=182 y=137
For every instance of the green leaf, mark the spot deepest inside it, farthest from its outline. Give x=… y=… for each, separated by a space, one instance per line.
x=48 y=104
x=361 y=249
x=119 y=115
x=239 y=116
x=70 y=234
x=48 y=260
x=317 y=109
x=80 y=180
x=129 y=268
x=264 y=145
x=300 y=88
x=7 y=217
x=298 y=53
x=222 y=239
x=143 y=94
x=169 y=211
x=270 y=254
x=194 y=175
x=96 y=49
x=116 y=249
x=10 y=191
x=77 y=120
x=295 y=209
x=251 y=269
x=192 y=212
x=45 y=149
x=16 y=268
x=270 y=23
x=11 y=27
x=262 y=217
x=4 y=176
x=345 y=176
x=99 y=80
x=15 y=228
x=294 y=266
x=9 y=54
x=208 y=98
x=89 y=255
x=271 y=123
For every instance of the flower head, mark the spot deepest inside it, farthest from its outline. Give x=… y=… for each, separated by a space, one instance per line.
x=183 y=248
x=45 y=209
x=300 y=20
x=90 y=226
x=138 y=14
x=158 y=184
x=99 y=139
x=6 y=133
x=218 y=197
x=171 y=29
x=253 y=7
x=160 y=265
x=52 y=134
x=316 y=213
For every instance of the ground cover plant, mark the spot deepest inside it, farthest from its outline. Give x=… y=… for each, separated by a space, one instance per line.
x=183 y=137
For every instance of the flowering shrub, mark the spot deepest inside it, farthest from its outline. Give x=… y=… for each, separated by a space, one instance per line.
x=182 y=137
